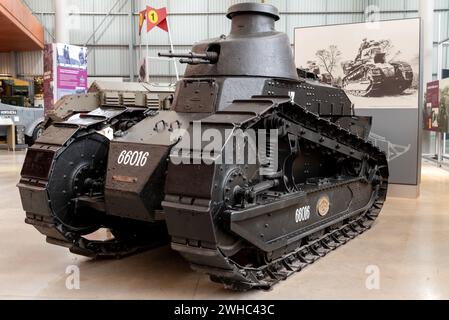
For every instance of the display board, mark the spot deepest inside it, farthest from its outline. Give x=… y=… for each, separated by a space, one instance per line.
x=65 y=72
x=444 y=102
x=432 y=106
x=436 y=111
x=378 y=66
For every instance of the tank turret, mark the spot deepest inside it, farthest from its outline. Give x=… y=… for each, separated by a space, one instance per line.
x=253 y=47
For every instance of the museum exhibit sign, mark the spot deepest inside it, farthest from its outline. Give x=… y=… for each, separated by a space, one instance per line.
x=65 y=72
x=431 y=110
x=436 y=116
x=443 y=104
x=378 y=66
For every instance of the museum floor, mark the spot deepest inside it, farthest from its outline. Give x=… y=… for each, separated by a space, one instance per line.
x=409 y=244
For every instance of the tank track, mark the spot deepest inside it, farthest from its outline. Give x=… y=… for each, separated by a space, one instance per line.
x=379 y=85
x=240 y=278
x=270 y=274
x=374 y=89
x=119 y=247
x=375 y=86
x=130 y=237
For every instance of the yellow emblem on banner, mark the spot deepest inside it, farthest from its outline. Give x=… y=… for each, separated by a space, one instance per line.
x=153 y=16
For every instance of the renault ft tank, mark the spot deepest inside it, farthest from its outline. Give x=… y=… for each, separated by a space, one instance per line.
x=315 y=183
x=370 y=75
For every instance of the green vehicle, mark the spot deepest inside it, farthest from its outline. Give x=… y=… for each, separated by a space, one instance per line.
x=16 y=108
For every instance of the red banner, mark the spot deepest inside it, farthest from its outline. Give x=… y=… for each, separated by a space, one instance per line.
x=156 y=18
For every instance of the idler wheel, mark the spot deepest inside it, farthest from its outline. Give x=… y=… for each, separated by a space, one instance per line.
x=76 y=172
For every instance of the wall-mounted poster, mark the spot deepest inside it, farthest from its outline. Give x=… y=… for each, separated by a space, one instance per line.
x=436 y=111
x=444 y=100
x=65 y=72
x=432 y=105
x=376 y=66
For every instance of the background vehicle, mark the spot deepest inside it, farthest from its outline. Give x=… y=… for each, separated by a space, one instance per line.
x=17 y=106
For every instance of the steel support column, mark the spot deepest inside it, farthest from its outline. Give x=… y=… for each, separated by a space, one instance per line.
x=62 y=27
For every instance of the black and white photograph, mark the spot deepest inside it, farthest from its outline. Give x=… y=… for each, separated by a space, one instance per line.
x=71 y=56
x=376 y=64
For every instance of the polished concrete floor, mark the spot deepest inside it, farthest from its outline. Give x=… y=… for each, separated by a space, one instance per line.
x=408 y=248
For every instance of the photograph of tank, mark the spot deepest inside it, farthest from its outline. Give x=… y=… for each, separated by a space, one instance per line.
x=378 y=65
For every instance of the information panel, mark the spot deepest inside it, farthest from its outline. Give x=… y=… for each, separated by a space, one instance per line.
x=65 y=72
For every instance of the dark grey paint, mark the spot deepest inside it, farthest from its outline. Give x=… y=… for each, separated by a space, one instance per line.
x=253 y=47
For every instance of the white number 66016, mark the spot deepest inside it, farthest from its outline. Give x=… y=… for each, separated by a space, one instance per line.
x=133 y=158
